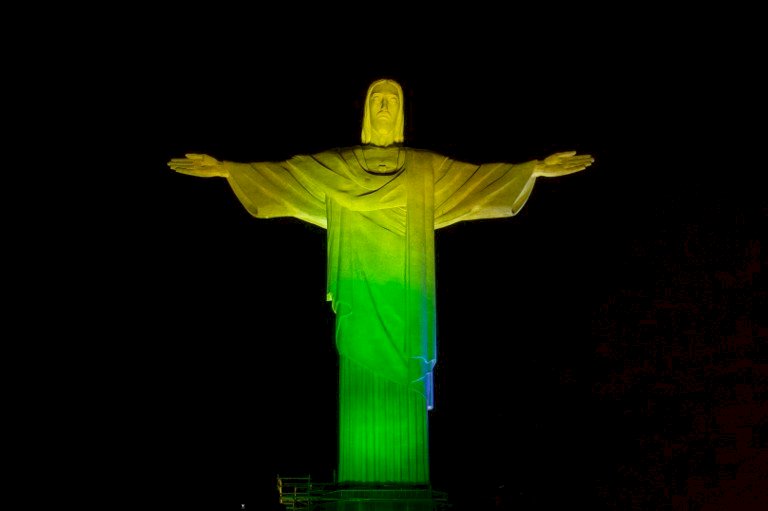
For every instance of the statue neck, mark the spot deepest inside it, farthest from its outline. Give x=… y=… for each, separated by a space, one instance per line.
x=382 y=139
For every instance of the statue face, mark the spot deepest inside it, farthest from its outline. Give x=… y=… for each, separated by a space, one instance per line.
x=384 y=107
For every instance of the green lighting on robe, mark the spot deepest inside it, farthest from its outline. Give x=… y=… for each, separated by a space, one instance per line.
x=381 y=203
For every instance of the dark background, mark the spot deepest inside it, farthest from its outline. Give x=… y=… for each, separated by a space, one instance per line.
x=601 y=348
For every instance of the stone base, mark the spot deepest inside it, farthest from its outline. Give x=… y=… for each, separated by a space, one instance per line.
x=381 y=499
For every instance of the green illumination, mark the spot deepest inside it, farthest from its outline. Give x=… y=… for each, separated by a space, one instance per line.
x=381 y=203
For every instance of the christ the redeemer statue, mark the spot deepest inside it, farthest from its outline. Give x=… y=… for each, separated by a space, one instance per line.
x=381 y=203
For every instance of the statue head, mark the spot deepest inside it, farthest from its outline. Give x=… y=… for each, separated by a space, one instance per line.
x=383 y=117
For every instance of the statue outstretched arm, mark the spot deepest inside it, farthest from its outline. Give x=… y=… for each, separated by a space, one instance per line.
x=200 y=165
x=561 y=164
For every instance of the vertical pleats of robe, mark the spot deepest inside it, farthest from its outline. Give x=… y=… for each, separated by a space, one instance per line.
x=383 y=434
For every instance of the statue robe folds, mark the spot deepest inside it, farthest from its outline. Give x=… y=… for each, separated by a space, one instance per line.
x=381 y=280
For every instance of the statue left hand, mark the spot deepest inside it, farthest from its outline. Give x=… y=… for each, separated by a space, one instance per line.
x=561 y=164
x=200 y=165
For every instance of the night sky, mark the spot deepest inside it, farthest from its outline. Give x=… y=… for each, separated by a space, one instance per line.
x=601 y=348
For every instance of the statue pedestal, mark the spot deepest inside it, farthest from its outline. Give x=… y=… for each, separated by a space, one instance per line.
x=385 y=499
x=367 y=498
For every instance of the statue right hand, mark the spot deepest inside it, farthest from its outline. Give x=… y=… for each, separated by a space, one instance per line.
x=200 y=165
x=561 y=164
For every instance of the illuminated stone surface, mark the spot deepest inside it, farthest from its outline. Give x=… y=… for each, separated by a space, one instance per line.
x=381 y=203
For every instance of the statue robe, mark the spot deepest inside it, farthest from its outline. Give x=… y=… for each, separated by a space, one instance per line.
x=381 y=280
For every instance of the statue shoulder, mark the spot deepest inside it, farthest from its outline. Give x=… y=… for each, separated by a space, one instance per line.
x=424 y=155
